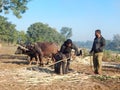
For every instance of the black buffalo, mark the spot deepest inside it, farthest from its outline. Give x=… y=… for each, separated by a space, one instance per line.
x=38 y=51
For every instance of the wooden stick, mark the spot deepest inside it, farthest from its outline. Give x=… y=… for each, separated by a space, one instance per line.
x=57 y=62
x=91 y=66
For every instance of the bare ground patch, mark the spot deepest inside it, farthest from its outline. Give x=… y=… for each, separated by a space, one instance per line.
x=16 y=74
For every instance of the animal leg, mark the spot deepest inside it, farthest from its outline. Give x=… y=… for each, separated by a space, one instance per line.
x=37 y=61
x=40 y=59
x=31 y=60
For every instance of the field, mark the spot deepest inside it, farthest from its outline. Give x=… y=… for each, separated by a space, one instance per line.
x=16 y=74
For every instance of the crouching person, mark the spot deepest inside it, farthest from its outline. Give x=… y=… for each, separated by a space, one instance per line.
x=66 y=49
x=63 y=57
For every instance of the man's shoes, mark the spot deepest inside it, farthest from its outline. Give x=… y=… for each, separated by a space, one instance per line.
x=96 y=72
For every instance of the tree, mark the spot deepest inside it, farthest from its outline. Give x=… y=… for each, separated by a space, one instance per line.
x=43 y=32
x=18 y=7
x=115 y=43
x=21 y=37
x=7 y=30
x=66 y=32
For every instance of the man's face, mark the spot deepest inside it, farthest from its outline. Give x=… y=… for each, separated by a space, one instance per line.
x=97 y=34
x=69 y=45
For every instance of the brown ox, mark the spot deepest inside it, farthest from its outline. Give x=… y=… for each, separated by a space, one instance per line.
x=40 y=50
x=45 y=49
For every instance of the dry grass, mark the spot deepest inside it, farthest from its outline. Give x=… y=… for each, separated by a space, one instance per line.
x=8 y=49
x=15 y=74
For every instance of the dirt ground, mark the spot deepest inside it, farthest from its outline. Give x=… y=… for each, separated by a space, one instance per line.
x=16 y=74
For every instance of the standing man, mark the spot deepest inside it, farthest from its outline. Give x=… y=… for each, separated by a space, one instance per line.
x=97 y=50
x=66 y=49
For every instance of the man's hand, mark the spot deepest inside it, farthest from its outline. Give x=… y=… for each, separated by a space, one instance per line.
x=91 y=52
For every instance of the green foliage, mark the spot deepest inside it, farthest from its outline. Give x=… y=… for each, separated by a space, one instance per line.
x=114 y=44
x=17 y=6
x=66 y=32
x=21 y=37
x=7 y=30
x=42 y=32
x=9 y=34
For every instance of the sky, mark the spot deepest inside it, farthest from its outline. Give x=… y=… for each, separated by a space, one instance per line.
x=83 y=16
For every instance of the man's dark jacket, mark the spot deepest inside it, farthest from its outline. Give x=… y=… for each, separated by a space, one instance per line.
x=98 y=45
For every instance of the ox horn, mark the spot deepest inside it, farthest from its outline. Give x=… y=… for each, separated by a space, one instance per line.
x=23 y=47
